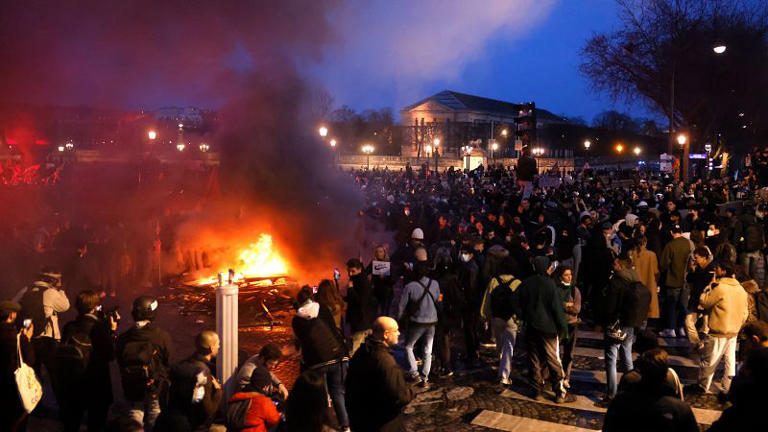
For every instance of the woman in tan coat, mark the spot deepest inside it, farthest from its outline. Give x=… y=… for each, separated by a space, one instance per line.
x=647 y=267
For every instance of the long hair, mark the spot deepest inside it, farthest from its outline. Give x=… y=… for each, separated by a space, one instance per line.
x=328 y=294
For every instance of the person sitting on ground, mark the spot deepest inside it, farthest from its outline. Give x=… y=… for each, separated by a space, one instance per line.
x=268 y=358
x=648 y=408
x=261 y=414
x=646 y=341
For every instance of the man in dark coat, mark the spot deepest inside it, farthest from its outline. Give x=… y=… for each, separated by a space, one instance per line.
x=544 y=317
x=376 y=387
x=90 y=391
x=361 y=303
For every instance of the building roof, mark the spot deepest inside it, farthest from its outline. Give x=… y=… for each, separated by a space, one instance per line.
x=463 y=101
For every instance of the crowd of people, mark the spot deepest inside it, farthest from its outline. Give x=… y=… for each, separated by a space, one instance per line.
x=482 y=260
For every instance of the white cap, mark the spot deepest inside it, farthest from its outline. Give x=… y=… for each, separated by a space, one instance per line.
x=642 y=204
x=417 y=234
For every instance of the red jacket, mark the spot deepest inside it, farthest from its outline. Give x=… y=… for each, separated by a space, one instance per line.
x=262 y=413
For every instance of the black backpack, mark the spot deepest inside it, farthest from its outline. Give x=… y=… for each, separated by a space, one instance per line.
x=754 y=237
x=32 y=309
x=139 y=369
x=761 y=305
x=237 y=412
x=505 y=302
x=74 y=353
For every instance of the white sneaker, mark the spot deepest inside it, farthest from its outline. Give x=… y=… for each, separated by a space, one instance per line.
x=505 y=381
x=681 y=332
x=667 y=333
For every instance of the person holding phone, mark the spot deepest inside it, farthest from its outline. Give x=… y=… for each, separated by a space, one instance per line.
x=13 y=415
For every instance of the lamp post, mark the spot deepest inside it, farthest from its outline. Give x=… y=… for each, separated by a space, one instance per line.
x=323 y=131
x=368 y=149
x=152 y=135
x=435 y=145
x=682 y=140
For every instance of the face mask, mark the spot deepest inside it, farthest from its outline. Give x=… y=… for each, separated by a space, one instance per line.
x=710 y=233
x=407 y=212
x=466 y=257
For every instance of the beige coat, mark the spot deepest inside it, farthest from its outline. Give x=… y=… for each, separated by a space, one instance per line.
x=647 y=268
x=727 y=307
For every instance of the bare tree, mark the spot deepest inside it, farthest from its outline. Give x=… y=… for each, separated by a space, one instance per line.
x=663 y=58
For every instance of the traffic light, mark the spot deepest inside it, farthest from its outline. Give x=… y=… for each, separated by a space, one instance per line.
x=525 y=124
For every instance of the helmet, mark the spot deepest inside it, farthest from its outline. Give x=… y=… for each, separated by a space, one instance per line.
x=417 y=234
x=144 y=308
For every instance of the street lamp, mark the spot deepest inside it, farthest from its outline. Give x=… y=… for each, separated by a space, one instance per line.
x=504 y=133
x=323 y=131
x=719 y=48
x=180 y=146
x=152 y=135
x=435 y=152
x=682 y=139
x=637 y=151
x=494 y=149
x=69 y=145
x=619 y=148
x=332 y=142
x=368 y=149
x=587 y=144
x=204 y=147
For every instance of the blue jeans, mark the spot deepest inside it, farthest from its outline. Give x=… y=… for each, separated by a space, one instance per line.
x=335 y=376
x=145 y=412
x=505 y=333
x=611 y=355
x=425 y=333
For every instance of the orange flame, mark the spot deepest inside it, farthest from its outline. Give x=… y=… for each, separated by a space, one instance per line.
x=261 y=260
x=258 y=261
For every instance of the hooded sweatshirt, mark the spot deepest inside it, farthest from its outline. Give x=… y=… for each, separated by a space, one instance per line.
x=320 y=341
x=541 y=303
x=626 y=300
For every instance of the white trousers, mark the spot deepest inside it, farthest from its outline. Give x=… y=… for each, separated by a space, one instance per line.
x=716 y=348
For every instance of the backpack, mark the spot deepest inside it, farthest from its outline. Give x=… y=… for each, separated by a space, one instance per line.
x=754 y=237
x=74 y=353
x=638 y=299
x=139 y=369
x=761 y=305
x=505 y=300
x=237 y=412
x=32 y=308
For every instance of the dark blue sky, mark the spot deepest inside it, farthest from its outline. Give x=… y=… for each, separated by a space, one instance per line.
x=520 y=60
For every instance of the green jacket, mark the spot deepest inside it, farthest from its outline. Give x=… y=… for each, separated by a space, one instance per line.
x=674 y=261
x=542 y=305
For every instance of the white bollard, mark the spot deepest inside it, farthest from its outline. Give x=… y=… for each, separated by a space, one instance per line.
x=226 y=327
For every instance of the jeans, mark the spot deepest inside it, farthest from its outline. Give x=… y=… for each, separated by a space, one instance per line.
x=611 y=355
x=425 y=333
x=335 y=376
x=566 y=351
x=673 y=310
x=716 y=348
x=749 y=262
x=145 y=412
x=505 y=333
x=690 y=327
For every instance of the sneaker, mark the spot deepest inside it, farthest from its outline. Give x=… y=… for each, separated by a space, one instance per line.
x=694 y=389
x=566 y=398
x=681 y=332
x=445 y=373
x=413 y=379
x=424 y=384
x=505 y=381
x=604 y=402
x=567 y=384
x=667 y=333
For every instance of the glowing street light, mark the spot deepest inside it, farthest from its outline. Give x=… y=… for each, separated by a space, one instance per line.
x=495 y=146
x=152 y=135
x=180 y=146
x=368 y=149
x=332 y=142
x=323 y=131
x=719 y=48
x=637 y=151
x=587 y=144
x=181 y=125
x=61 y=148
x=69 y=145
x=682 y=139
x=619 y=148
x=504 y=133
x=203 y=148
